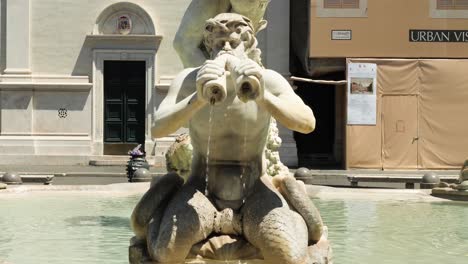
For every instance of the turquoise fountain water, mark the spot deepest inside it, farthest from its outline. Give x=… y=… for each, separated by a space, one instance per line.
x=94 y=228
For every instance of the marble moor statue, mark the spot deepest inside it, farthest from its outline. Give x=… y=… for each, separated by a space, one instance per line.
x=229 y=207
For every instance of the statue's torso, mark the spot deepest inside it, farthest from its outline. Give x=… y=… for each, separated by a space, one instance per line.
x=238 y=130
x=233 y=147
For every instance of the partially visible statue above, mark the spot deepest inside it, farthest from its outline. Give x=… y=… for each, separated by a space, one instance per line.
x=189 y=37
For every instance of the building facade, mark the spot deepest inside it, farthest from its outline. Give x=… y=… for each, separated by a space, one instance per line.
x=80 y=80
x=420 y=50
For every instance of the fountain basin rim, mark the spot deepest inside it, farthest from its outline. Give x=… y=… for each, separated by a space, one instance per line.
x=314 y=192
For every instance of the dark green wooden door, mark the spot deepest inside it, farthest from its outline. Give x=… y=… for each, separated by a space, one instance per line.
x=124 y=105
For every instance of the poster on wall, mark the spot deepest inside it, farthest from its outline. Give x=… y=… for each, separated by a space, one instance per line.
x=362 y=94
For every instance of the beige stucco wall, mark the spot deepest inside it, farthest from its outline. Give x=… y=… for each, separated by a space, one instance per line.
x=2 y=35
x=58 y=33
x=57 y=72
x=384 y=32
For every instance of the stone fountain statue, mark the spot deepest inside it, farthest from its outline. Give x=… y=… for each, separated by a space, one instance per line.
x=229 y=207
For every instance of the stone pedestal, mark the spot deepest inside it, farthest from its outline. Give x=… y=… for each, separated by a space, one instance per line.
x=141 y=175
x=135 y=163
x=12 y=179
x=230 y=248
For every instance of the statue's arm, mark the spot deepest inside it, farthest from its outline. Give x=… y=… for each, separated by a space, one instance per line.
x=174 y=113
x=190 y=33
x=284 y=105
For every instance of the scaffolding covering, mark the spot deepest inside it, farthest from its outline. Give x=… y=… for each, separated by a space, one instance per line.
x=422 y=116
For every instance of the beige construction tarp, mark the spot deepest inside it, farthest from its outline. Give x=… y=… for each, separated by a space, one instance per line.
x=364 y=145
x=422 y=117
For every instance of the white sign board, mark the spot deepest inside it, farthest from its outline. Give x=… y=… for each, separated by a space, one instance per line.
x=341 y=35
x=362 y=94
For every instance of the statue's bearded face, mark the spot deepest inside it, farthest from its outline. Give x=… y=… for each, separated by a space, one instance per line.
x=228 y=34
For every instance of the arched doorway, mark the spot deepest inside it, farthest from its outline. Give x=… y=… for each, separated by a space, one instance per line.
x=124 y=51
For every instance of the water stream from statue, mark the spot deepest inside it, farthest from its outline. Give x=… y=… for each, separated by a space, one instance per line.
x=243 y=176
x=208 y=146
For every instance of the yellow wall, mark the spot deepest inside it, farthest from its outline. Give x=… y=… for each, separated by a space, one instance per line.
x=385 y=32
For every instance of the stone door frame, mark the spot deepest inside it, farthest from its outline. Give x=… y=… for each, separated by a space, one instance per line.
x=101 y=55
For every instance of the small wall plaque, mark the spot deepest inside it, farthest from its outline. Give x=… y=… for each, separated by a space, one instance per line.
x=341 y=34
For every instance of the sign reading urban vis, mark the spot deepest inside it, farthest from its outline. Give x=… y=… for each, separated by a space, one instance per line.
x=423 y=35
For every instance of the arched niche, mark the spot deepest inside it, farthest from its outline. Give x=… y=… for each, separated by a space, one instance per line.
x=108 y=20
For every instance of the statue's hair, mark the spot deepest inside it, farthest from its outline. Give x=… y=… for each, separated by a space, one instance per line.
x=220 y=22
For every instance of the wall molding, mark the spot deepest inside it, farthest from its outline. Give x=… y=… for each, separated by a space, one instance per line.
x=46 y=86
x=44 y=82
x=25 y=135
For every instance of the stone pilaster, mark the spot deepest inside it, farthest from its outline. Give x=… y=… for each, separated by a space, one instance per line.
x=277 y=37
x=276 y=57
x=18 y=37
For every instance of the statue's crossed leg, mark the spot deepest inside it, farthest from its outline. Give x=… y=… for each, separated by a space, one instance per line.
x=188 y=219
x=268 y=224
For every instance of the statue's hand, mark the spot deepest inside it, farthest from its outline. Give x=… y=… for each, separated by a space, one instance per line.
x=210 y=85
x=248 y=76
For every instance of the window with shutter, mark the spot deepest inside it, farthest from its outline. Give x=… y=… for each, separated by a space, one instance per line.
x=342 y=8
x=332 y=4
x=348 y=4
x=452 y=4
x=449 y=8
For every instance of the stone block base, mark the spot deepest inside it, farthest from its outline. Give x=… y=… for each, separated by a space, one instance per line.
x=320 y=253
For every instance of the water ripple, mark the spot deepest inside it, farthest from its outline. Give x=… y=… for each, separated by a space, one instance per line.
x=67 y=229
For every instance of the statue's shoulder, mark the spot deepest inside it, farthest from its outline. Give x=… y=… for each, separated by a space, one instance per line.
x=272 y=74
x=272 y=77
x=275 y=82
